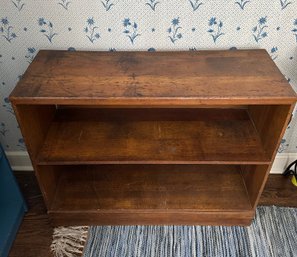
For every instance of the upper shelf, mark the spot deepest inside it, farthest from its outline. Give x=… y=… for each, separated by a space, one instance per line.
x=152 y=136
x=153 y=79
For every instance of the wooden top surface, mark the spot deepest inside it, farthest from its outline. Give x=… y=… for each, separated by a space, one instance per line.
x=153 y=78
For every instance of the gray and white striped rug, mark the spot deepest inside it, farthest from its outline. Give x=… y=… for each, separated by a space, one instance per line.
x=272 y=233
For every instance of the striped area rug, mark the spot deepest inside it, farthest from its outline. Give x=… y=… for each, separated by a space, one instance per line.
x=272 y=233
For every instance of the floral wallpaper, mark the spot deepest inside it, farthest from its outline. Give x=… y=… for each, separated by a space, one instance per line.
x=147 y=25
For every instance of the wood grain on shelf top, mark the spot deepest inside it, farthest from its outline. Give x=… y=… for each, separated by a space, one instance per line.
x=158 y=78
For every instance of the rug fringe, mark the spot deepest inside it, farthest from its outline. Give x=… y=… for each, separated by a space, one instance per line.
x=69 y=241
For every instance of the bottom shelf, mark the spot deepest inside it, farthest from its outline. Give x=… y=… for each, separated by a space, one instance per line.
x=150 y=194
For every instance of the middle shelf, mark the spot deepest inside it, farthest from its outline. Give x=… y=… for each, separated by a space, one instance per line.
x=152 y=136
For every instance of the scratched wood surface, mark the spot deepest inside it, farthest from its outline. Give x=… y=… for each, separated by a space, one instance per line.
x=161 y=78
x=151 y=194
x=150 y=188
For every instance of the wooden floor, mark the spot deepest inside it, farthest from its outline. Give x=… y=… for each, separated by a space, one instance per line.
x=35 y=233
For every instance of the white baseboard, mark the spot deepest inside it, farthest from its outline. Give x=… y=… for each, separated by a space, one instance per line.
x=282 y=160
x=20 y=160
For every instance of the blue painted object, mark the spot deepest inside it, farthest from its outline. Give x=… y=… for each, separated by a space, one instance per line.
x=12 y=206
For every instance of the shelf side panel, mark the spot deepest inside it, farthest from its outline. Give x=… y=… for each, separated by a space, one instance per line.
x=254 y=177
x=34 y=121
x=270 y=122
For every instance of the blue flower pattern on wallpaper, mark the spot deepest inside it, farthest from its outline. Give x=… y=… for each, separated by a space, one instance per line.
x=195 y=4
x=294 y=30
x=21 y=144
x=259 y=30
x=47 y=29
x=114 y=25
x=3 y=129
x=283 y=146
x=31 y=51
x=131 y=29
x=273 y=53
x=174 y=30
x=91 y=30
x=242 y=3
x=65 y=4
x=7 y=106
x=215 y=29
x=152 y=4
x=7 y=30
x=18 y=4
x=107 y=4
x=284 y=3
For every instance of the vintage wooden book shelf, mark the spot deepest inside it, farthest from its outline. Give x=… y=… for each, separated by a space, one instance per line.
x=152 y=138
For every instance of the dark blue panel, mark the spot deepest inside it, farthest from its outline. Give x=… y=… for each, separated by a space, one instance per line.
x=12 y=206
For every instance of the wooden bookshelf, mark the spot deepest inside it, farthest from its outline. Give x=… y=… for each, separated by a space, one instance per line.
x=152 y=138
